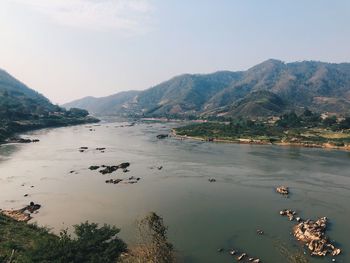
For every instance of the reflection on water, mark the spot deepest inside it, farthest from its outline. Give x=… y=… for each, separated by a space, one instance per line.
x=202 y=216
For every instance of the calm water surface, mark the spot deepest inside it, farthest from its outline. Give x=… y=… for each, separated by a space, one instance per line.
x=202 y=216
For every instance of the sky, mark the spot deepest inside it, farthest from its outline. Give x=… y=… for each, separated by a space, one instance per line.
x=68 y=49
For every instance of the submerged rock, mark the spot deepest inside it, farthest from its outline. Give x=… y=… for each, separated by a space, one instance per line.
x=108 y=169
x=94 y=167
x=243 y=256
x=162 y=136
x=289 y=213
x=101 y=149
x=212 y=180
x=260 y=232
x=124 y=165
x=115 y=181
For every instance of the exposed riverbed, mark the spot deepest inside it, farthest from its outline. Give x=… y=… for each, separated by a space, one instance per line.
x=201 y=216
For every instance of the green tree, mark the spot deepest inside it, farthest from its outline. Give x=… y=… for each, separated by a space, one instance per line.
x=154 y=246
x=92 y=244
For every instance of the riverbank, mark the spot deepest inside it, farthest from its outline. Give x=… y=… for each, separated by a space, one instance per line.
x=260 y=142
x=11 y=128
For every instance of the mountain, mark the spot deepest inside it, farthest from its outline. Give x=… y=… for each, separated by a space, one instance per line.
x=107 y=105
x=258 y=104
x=22 y=109
x=271 y=87
x=17 y=98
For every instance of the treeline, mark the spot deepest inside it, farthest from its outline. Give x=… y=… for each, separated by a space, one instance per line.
x=310 y=119
x=288 y=127
x=90 y=243
x=13 y=120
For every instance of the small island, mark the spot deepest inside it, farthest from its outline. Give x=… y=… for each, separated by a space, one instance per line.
x=307 y=129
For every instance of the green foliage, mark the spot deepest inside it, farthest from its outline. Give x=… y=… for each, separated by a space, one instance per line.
x=75 y=112
x=330 y=121
x=31 y=244
x=304 y=128
x=290 y=120
x=22 y=109
x=345 y=124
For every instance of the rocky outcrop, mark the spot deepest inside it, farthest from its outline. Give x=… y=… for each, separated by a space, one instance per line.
x=283 y=190
x=23 y=214
x=108 y=169
x=312 y=234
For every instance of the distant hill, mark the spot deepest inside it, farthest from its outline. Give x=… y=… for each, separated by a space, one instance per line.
x=17 y=98
x=22 y=108
x=271 y=87
x=106 y=105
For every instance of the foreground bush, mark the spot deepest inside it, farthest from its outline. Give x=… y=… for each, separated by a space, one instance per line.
x=25 y=243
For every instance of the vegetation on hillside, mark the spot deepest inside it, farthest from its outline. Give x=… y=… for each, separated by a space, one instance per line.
x=23 y=109
x=270 y=88
x=90 y=243
x=27 y=243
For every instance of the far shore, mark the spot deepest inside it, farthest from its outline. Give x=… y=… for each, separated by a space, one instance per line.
x=261 y=142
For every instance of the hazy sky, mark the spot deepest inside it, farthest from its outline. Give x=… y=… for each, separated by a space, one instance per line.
x=67 y=49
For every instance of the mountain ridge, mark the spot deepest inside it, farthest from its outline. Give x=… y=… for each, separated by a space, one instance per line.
x=320 y=86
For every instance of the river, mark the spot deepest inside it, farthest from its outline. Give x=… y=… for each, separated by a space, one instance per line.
x=201 y=216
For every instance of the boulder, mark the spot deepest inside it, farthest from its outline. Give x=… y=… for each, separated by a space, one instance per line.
x=162 y=136
x=123 y=165
x=283 y=190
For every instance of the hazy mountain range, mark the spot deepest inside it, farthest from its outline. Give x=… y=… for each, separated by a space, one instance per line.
x=269 y=88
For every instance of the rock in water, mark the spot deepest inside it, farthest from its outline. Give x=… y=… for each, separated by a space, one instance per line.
x=313 y=235
x=162 y=136
x=22 y=215
x=124 y=165
x=283 y=190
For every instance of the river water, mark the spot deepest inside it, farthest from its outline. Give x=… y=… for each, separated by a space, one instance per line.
x=201 y=216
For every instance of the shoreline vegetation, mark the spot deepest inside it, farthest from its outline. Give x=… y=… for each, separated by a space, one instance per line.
x=305 y=130
x=9 y=128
